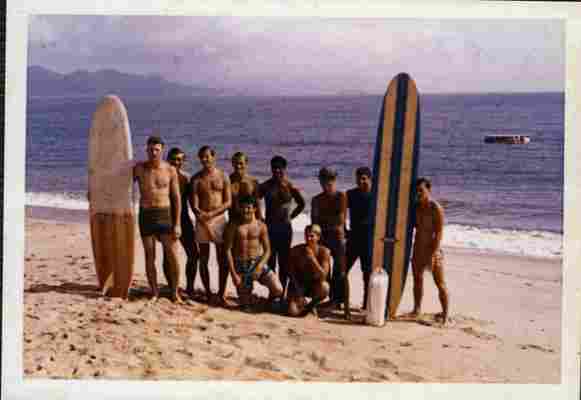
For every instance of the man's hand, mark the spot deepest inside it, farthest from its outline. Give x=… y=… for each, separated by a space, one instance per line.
x=177 y=231
x=236 y=279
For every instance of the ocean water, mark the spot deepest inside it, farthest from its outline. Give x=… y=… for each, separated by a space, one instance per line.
x=506 y=198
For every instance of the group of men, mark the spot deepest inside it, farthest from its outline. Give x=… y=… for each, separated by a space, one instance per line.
x=249 y=245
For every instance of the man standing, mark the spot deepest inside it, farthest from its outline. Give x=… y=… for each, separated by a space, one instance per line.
x=176 y=157
x=278 y=193
x=309 y=266
x=159 y=192
x=247 y=252
x=210 y=198
x=242 y=185
x=329 y=210
x=359 y=202
x=427 y=253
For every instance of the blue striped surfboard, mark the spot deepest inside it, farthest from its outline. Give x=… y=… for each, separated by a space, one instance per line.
x=395 y=171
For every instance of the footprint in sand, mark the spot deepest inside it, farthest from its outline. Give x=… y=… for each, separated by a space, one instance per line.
x=478 y=334
x=319 y=359
x=383 y=363
x=536 y=347
x=260 y=364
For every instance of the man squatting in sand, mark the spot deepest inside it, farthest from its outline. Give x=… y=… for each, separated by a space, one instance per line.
x=247 y=252
x=176 y=157
x=329 y=211
x=159 y=190
x=309 y=266
x=359 y=202
x=241 y=184
x=278 y=193
x=210 y=198
x=427 y=253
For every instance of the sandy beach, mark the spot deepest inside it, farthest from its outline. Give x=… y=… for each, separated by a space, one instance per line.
x=506 y=325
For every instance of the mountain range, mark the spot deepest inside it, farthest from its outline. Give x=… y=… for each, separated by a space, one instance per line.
x=43 y=82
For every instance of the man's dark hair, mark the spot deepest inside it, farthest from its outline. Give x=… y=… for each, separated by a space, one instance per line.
x=363 y=171
x=327 y=174
x=174 y=152
x=203 y=149
x=425 y=181
x=153 y=140
x=240 y=156
x=247 y=200
x=278 y=161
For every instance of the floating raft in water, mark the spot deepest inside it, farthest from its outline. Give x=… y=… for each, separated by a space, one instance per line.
x=507 y=139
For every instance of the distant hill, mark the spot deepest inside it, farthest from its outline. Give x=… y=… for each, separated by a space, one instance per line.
x=43 y=82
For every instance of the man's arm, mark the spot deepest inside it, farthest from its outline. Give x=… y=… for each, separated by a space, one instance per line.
x=343 y=210
x=228 y=243
x=299 y=199
x=315 y=211
x=256 y=194
x=265 y=248
x=176 y=199
x=438 y=227
x=226 y=197
x=322 y=266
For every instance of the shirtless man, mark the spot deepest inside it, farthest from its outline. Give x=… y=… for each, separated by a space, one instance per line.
x=427 y=253
x=241 y=185
x=359 y=202
x=309 y=266
x=160 y=191
x=176 y=157
x=247 y=252
x=210 y=198
x=278 y=193
x=329 y=211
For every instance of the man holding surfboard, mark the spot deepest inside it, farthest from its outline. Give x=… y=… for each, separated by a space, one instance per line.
x=211 y=198
x=159 y=190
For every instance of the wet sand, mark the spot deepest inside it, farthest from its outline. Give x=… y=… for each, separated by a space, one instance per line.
x=506 y=326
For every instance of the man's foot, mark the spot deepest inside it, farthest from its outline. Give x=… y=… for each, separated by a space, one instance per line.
x=176 y=298
x=442 y=318
x=224 y=302
x=153 y=300
x=409 y=316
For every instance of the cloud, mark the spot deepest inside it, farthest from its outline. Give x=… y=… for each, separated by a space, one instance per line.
x=309 y=54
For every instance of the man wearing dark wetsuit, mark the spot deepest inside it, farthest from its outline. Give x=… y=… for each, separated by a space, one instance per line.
x=329 y=211
x=278 y=193
x=176 y=157
x=358 y=244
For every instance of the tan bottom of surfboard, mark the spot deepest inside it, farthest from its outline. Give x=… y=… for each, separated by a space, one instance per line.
x=113 y=241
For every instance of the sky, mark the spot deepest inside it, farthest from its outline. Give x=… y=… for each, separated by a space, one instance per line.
x=309 y=55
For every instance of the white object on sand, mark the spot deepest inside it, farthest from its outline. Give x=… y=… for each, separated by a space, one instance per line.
x=376 y=298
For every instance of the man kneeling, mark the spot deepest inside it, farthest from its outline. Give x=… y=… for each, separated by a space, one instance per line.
x=247 y=251
x=309 y=265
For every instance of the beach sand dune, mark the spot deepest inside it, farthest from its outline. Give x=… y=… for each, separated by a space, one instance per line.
x=506 y=326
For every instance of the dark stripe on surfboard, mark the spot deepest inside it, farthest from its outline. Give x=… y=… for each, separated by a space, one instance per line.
x=404 y=198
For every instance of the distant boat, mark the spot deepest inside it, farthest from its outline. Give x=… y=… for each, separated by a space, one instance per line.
x=507 y=139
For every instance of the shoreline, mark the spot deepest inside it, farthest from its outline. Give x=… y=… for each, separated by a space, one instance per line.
x=506 y=326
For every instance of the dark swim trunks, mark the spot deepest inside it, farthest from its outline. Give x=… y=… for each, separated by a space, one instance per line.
x=305 y=291
x=155 y=221
x=246 y=268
